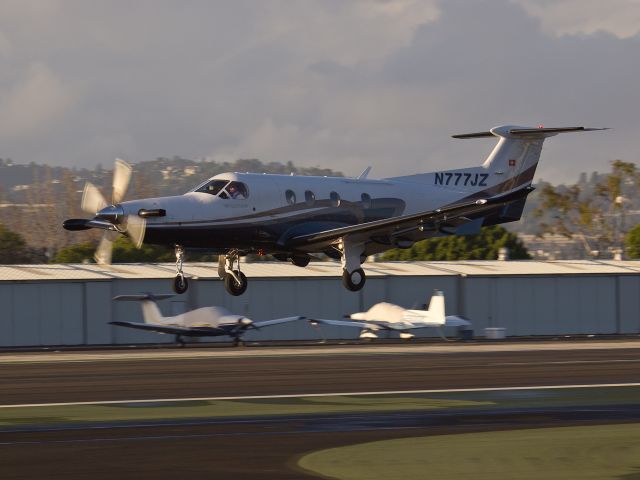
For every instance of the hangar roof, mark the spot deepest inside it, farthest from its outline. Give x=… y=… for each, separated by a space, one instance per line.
x=49 y=272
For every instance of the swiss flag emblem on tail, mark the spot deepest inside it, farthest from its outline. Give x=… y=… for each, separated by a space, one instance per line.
x=512 y=163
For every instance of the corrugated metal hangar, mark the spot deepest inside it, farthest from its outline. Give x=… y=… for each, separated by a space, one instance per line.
x=71 y=304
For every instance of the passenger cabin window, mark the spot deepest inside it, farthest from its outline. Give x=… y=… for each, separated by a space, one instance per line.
x=366 y=200
x=225 y=189
x=290 y=195
x=310 y=198
x=335 y=199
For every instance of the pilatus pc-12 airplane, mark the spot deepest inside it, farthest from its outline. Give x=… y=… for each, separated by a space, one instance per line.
x=293 y=217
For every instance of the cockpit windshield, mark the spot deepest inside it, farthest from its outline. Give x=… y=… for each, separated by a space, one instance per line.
x=213 y=187
x=225 y=189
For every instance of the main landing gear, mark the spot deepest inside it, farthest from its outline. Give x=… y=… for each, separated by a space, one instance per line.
x=235 y=282
x=351 y=254
x=180 y=283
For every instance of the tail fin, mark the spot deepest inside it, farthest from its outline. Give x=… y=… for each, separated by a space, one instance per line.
x=436 y=307
x=150 y=310
x=513 y=161
x=510 y=166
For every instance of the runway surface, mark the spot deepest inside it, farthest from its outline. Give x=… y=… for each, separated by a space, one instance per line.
x=267 y=447
x=259 y=371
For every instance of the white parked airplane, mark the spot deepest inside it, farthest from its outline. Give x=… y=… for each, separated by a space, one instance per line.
x=390 y=317
x=293 y=217
x=201 y=322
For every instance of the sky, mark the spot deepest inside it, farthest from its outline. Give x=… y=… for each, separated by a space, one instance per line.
x=333 y=83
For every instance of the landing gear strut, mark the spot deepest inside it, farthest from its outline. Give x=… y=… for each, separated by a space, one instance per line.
x=180 y=283
x=235 y=282
x=351 y=253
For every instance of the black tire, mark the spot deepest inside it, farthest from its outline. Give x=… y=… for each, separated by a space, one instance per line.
x=180 y=284
x=355 y=280
x=300 y=260
x=232 y=286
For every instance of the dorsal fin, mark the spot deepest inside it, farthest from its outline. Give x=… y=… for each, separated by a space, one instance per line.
x=364 y=174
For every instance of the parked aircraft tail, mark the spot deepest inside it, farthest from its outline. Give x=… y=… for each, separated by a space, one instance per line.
x=436 y=307
x=434 y=316
x=150 y=310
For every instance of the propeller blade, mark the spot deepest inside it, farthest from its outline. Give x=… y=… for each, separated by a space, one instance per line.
x=105 y=249
x=92 y=199
x=135 y=229
x=121 y=176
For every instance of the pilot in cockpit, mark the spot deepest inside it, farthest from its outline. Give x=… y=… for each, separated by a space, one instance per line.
x=234 y=192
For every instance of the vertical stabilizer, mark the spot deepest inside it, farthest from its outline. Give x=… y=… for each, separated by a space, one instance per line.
x=151 y=312
x=436 y=308
x=513 y=161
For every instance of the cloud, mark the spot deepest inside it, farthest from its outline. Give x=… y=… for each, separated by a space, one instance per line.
x=34 y=105
x=330 y=83
x=570 y=17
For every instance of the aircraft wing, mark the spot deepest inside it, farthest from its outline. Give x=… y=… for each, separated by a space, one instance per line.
x=360 y=324
x=155 y=327
x=449 y=321
x=276 y=321
x=407 y=223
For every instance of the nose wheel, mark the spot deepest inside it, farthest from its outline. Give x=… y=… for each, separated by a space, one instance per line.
x=180 y=283
x=235 y=283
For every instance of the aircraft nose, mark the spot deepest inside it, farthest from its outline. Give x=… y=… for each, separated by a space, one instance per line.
x=112 y=213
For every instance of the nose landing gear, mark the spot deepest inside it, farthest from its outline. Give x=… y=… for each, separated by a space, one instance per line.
x=180 y=283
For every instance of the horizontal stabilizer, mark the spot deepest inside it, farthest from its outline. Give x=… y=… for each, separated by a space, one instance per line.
x=474 y=135
x=519 y=131
x=144 y=296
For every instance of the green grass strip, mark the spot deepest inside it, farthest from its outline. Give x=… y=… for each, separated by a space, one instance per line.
x=222 y=408
x=591 y=452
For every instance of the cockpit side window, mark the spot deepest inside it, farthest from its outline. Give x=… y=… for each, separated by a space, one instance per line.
x=213 y=187
x=237 y=190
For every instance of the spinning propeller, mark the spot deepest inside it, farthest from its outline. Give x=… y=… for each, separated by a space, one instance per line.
x=110 y=217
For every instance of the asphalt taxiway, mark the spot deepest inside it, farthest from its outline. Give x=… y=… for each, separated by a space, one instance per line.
x=267 y=447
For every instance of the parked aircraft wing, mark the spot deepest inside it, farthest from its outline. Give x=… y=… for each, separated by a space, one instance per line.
x=347 y=323
x=276 y=321
x=456 y=321
x=366 y=325
x=144 y=296
x=406 y=223
x=154 y=327
x=449 y=321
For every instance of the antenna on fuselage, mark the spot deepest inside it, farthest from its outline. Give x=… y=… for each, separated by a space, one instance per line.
x=364 y=174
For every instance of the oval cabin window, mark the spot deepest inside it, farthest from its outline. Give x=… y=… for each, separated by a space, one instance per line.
x=290 y=195
x=366 y=200
x=335 y=199
x=310 y=198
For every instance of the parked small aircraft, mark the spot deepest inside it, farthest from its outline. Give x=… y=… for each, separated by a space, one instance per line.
x=294 y=217
x=390 y=317
x=201 y=322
